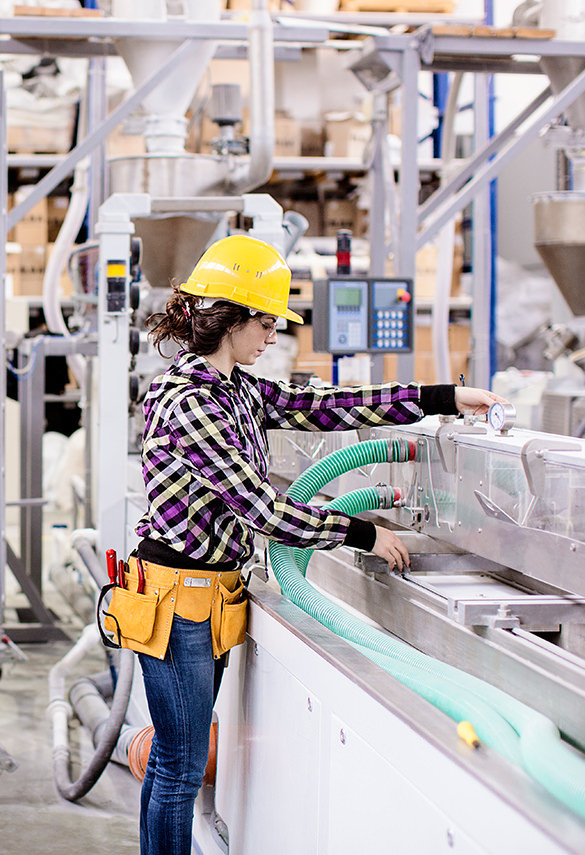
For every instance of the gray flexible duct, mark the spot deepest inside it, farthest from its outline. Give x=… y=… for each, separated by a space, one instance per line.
x=82 y=544
x=105 y=732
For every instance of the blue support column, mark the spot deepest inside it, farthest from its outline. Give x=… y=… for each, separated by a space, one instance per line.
x=440 y=95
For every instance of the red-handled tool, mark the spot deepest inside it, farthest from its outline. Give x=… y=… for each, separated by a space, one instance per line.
x=121 y=568
x=111 y=565
x=139 y=567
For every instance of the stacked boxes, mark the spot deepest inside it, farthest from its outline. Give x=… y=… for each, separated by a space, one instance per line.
x=424 y=362
x=32 y=240
x=346 y=135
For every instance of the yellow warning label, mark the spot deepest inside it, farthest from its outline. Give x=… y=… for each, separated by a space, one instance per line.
x=116 y=270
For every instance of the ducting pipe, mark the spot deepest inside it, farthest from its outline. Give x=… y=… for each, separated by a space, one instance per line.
x=527 y=14
x=59 y=711
x=57 y=263
x=505 y=724
x=246 y=174
x=68 y=584
x=295 y=226
x=88 y=700
x=83 y=541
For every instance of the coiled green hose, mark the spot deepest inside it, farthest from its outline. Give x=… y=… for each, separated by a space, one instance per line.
x=519 y=733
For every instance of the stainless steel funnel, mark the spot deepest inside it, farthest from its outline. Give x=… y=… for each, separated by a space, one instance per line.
x=561 y=71
x=171 y=245
x=166 y=126
x=559 y=237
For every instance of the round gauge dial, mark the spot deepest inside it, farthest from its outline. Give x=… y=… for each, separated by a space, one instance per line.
x=501 y=416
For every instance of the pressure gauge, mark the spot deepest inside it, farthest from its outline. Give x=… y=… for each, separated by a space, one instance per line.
x=501 y=417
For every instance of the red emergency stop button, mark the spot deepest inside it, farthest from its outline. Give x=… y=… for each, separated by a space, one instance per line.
x=403 y=295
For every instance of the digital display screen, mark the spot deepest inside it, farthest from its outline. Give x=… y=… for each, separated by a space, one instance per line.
x=348 y=297
x=385 y=294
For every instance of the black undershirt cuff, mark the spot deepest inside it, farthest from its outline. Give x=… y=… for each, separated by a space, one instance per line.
x=438 y=400
x=361 y=534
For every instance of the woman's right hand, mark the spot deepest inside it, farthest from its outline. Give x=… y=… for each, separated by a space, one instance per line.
x=389 y=547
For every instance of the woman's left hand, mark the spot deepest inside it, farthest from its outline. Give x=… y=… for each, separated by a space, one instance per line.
x=475 y=401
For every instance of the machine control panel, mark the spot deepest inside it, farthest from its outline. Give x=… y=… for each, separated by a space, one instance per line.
x=348 y=316
x=116 y=286
x=363 y=315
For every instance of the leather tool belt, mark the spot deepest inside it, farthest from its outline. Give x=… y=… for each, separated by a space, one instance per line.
x=141 y=613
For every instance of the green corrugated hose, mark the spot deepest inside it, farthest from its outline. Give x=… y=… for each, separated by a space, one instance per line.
x=508 y=726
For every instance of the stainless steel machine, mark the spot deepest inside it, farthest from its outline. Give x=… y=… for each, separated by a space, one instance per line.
x=321 y=749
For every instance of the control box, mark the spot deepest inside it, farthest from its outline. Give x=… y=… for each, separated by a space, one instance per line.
x=363 y=315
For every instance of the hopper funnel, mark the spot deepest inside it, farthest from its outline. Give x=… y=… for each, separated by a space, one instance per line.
x=559 y=232
x=167 y=104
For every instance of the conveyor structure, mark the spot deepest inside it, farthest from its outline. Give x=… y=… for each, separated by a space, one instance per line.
x=320 y=749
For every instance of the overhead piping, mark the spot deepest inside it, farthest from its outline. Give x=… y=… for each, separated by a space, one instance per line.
x=246 y=174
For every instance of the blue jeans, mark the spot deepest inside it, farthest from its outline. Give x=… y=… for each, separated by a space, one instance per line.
x=181 y=691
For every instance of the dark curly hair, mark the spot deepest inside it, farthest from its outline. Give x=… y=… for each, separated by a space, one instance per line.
x=199 y=330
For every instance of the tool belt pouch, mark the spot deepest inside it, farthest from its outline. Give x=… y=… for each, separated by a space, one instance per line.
x=229 y=619
x=139 y=621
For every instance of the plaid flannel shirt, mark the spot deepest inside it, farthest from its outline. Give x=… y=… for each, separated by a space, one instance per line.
x=205 y=456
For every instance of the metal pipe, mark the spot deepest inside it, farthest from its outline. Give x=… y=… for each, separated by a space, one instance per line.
x=256 y=171
x=60 y=710
x=81 y=542
x=57 y=262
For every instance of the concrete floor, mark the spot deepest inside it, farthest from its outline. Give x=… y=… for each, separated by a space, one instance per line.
x=34 y=819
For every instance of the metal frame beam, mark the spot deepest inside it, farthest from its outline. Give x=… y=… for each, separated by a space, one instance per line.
x=119 y=28
x=482 y=156
x=490 y=170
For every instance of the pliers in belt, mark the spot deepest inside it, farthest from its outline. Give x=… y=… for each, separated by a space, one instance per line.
x=140 y=569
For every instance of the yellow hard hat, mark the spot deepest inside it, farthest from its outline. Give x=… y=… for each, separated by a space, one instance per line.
x=243 y=270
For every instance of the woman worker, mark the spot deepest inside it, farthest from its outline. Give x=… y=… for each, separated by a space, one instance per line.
x=205 y=465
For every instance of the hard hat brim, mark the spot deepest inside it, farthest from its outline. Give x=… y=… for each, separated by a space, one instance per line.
x=196 y=291
x=292 y=316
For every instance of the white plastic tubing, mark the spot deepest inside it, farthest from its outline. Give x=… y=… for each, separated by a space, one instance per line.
x=59 y=710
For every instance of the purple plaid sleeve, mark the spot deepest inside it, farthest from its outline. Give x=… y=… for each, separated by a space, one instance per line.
x=309 y=408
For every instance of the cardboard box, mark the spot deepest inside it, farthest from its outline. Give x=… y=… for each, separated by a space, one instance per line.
x=424 y=362
x=307 y=360
x=29 y=282
x=202 y=135
x=57 y=207
x=122 y=144
x=425 y=284
x=346 y=136
x=287 y=136
x=31 y=138
x=13 y=252
x=32 y=229
x=339 y=214
x=312 y=140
